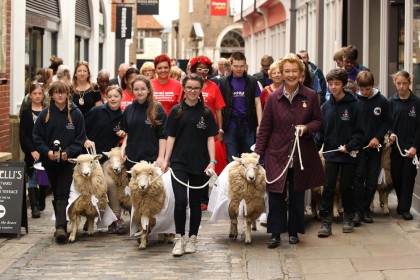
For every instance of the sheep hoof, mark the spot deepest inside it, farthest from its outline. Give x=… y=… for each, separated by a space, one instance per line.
x=71 y=240
x=234 y=236
x=247 y=242
x=254 y=228
x=141 y=247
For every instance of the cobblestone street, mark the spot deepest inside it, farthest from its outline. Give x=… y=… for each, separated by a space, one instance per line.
x=368 y=253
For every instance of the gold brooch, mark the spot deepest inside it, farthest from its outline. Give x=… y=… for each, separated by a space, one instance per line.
x=304 y=104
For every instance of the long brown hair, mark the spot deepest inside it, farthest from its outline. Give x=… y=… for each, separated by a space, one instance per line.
x=150 y=99
x=60 y=87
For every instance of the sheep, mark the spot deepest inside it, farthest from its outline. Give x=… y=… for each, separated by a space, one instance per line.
x=316 y=196
x=385 y=184
x=89 y=181
x=246 y=179
x=116 y=176
x=148 y=197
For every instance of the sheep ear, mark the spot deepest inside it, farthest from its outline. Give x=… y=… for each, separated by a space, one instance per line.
x=106 y=153
x=237 y=159
x=72 y=160
x=255 y=155
x=98 y=157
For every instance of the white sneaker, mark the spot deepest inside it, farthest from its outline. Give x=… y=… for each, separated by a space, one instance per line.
x=190 y=246
x=179 y=244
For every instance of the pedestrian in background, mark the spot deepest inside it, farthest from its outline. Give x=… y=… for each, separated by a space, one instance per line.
x=128 y=94
x=242 y=113
x=103 y=82
x=59 y=134
x=148 y=70
x=190 y=152
x=166 y=90
x=85 y=94
x=26 y=126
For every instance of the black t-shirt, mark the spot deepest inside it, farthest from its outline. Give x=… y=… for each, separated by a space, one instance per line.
x=191 y=131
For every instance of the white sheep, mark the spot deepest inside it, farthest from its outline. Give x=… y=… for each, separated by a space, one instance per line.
x=89 y=183
x=148 y=196
x=116 y=176
x=240 y=189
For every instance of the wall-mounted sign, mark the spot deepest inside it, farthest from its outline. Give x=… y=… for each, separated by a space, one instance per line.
x=147 y=7
x=218 y=7
x=124 y=22
x=12 y=198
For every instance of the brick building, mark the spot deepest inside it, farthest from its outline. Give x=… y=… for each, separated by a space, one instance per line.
x=5 y=23
x=198 y=33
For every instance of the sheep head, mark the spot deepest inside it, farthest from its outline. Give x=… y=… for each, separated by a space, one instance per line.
x=250 y=164
x=115 y=159
x=142 y=174
x=84 y=163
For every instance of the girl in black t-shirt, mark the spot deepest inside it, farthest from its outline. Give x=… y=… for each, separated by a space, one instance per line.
x=190 y=148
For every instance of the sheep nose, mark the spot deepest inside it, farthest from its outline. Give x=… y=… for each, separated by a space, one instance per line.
x=86 y=174
x=251 y=178
x=142 y=187
x=117 y=170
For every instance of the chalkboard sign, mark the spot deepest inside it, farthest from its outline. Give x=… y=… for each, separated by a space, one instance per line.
x=12 y=198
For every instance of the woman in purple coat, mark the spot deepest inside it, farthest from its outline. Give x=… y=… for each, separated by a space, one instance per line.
x=292 y=107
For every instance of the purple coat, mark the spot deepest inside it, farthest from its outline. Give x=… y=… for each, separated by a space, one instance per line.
x=276 y=136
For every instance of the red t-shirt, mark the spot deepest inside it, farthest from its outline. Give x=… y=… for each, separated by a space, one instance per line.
x=127 y=99
x=168 y=94
x=264 y=95
x=213 y=97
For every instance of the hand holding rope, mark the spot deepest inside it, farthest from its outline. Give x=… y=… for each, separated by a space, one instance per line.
x=415 y=161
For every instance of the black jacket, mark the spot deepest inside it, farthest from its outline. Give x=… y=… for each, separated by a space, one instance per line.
x=26 y=127
x=227 y=93
x=102 y=124
x=71 y=136
x=376 y=115
x=406 y=117
x=343 y=125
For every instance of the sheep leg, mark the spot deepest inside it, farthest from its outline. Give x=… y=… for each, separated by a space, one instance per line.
x=171 y=238
x=161 y=237
x=254 y=225
x=143 y=240
x=385 y=202
x=248 y=231
x=233 y=214
x=91 y=222
x=335 y=207
x=75 y=221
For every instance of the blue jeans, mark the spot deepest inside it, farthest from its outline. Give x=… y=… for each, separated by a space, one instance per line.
x=237 y=142
x=32 y=182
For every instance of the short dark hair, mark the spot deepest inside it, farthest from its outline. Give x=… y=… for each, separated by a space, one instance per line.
x=237 y=56
x=365 y=79
x=351 y=53
x=338 y=74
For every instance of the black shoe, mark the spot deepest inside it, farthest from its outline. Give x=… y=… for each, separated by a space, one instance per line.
x=357 y=220
x=293 y=239
x=367 y=218
x=407 y=216
x=273 y=242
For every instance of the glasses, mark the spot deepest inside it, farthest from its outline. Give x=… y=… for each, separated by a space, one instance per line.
x=37 y=83
x=149 y=70
x=195 y=89
x=83 y=62
x=204 y=70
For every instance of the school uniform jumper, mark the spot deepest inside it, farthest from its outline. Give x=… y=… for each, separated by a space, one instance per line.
x=378 y=121
x=143 y=139
x=102 y=124
x=71 y=137
x=189 y=159
x=406 y=125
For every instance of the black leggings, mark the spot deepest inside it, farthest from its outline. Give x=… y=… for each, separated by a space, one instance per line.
x=182 y=200
x=60 y=175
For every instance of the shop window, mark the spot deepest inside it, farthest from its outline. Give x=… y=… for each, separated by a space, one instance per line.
x=77 y=49
x=101 y=57
x=86 y=50
x=35 y=49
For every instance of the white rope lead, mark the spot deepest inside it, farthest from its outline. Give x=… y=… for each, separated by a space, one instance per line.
x=193 y=187
x=378 y=148
x=298 y=133
x=352 y=153
x=415 y=161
